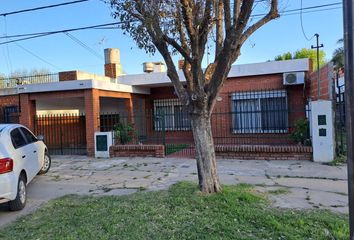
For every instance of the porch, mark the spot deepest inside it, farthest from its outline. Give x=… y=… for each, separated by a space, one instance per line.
x=68 y=119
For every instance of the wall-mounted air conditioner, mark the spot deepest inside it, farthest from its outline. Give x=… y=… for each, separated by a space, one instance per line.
x=294 y=78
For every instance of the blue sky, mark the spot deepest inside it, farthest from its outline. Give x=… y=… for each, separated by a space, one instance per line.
x=63 y=53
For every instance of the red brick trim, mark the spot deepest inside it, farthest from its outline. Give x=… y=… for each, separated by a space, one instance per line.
x=137 y=151
x=264 y=152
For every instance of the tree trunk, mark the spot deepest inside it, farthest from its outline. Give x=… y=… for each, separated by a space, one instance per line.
x=205 y=153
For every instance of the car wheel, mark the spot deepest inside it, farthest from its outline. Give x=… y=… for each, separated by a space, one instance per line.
x=46 y=164
x=21 y=196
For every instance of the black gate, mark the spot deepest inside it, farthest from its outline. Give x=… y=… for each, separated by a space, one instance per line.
x=64 y=134
x=341 y=134
x=9 y=114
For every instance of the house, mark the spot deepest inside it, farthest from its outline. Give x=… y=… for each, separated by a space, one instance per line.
x=255 y=113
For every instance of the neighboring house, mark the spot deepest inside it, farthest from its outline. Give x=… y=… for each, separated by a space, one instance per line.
x=255 y=107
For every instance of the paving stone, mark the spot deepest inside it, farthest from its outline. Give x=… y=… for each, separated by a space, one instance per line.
x=310 y=185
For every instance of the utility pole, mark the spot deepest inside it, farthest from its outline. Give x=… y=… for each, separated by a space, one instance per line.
x=348 y=9
x=317 y=47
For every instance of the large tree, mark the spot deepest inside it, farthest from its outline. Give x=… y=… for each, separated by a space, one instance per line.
x=184 y=27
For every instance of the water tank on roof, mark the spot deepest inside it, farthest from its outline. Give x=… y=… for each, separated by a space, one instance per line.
x=112 y=55
x=148 y=67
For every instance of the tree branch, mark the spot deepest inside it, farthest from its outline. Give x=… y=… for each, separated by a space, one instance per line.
x=272 y=14
x=237 y=6
x=179 y=48
x=219 y=6
x=187 y=14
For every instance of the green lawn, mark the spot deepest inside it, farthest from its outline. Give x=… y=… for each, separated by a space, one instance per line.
x=172 y=148
x=179 y=213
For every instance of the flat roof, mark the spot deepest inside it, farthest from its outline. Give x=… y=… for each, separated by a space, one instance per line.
x=141 y=83
x=242 y=70
x=79 y=85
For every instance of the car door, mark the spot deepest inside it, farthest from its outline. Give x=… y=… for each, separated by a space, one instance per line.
x=23 y=153
x=35 y=149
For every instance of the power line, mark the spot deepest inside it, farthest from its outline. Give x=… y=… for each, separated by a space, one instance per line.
x=7 y=46
x=302 y=26
x=301 y=9
x=104 y=26
x=43 y=7
x=42 y=34
x=311 y=11
x=82 y=44
x=36 y=56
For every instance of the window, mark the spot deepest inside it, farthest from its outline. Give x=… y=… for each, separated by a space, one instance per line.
x=28 y=135
x=170 y=115
x=260 y=112
x=10 y=114
x=17 y=138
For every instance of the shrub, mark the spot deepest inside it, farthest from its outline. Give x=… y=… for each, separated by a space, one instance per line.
x=301 y=132
x=124 y=132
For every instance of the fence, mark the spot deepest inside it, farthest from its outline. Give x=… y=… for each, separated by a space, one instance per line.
x=63 y=134
x=340 y=120
x=13 y=82
x=9 y=114
x=248 y=118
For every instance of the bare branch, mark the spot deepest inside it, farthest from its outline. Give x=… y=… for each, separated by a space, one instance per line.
x=181 y=31
x=178 y=47
x=187 y=13
x=237 y=6
x=219 y=6
x=152 y=24
x=272 y=14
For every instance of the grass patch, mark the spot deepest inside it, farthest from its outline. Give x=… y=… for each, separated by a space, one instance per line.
x=172 y=148
x=279 y=191
x=179 y=213
x=339 y=160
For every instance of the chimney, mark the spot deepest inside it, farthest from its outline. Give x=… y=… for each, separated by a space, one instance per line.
x=112 y=67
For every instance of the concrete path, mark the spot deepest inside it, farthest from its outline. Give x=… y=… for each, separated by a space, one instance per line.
x=289 y=184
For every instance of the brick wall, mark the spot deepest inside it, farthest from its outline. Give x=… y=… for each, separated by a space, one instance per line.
x=222 y=123
x=253 y=152
x=326 y=83
x=137 y=151
x=68 y=76
x=28 y=111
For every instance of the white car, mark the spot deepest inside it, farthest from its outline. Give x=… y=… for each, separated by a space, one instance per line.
x=22 y=157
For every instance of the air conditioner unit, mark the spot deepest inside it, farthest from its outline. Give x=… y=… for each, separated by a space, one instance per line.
x=294 y=78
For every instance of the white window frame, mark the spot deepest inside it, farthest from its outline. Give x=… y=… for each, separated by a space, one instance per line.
x=258 y=95
x=168 y=103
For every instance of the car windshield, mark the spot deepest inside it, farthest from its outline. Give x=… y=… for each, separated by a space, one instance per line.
x=2 y=128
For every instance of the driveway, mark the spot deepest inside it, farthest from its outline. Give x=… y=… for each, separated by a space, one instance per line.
x=289 y=184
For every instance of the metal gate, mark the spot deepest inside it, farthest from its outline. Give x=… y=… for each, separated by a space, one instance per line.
x=64 y=134
x=341 y=134
x=9 y=114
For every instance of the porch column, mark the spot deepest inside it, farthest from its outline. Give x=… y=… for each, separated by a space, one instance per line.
x=28 y=111
x=92 y=111
x=130 y=110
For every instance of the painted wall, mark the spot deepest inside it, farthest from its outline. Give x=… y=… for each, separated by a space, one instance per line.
x=60 y=106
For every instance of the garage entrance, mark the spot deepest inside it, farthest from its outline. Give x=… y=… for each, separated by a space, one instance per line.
x=64 y=134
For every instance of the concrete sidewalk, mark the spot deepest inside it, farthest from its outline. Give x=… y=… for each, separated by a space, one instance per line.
x=289 y=184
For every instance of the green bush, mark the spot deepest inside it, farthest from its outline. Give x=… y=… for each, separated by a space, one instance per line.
x=301 y=132
x=124 y=132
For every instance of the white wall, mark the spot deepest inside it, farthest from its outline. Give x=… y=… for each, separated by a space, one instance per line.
x=66 y=105
x=323 y=146
x=60 y=105
x=112 y=105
